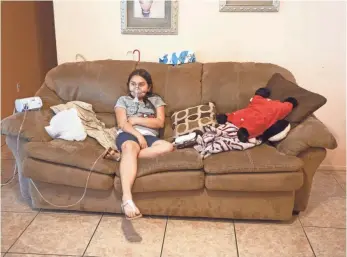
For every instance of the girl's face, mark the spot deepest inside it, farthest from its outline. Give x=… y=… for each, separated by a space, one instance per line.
x=141 y=84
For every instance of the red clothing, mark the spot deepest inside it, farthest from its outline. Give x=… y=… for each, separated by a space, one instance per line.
x=259 y=115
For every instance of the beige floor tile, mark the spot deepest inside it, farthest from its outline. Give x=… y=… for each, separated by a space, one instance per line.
x=34 y=255
x=325 y=185
x=7 y=167
x=116 y=236
x=330 y=212
x=327 y=203
x=327 y=242
x=199 y=238
x=272 y=239
x=12 y=225
x=11 y=199
x=6 y=153
x=66 y=234
x=341 y=178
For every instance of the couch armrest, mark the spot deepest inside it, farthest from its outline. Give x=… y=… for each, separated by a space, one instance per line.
x=49 y=97
x=310 y=133
x=33 y=128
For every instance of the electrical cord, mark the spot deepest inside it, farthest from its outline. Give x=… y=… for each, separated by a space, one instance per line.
x=15 y=172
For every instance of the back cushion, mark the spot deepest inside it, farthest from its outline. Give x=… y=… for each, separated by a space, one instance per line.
x=99 y=83
x=179 y=86
x=230 y=85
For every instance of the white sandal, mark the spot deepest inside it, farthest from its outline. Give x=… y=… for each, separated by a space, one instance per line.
x=132 y=205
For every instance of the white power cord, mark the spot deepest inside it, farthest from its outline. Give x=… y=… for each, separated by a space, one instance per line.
x=15 y=172
x=84 y=193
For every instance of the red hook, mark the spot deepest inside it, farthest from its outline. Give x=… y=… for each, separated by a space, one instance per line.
x=139 y=55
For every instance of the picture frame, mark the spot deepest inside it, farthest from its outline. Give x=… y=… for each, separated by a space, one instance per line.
x=249 y=5
x=149 y=17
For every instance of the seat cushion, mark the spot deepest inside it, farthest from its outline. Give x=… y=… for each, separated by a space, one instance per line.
x=65 y=175
x=260 y=182
x=263 y=158
x=75 y=154
x=184 y=159
x=83 y=155
x=166 y=181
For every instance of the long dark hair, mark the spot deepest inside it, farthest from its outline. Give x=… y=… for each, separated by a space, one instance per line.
x=146 y=76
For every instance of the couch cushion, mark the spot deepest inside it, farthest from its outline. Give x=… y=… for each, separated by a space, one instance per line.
x=83 y=155
x=65 y=175
x=308 y=102
x=263 y=158
x=184 y=159
x=166 y=181
x=99 y=83
x=180 y=86
x=261 y=182
x=75 y=154
x=108 y=118
x=230 y=85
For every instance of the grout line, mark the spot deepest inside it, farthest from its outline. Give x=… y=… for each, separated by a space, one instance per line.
x=308 y=240
x=162 y=246
x=42 y=254
x=93 y=235
x=23 y=231
x=322 y=227
x=344 y=190
x=237 y=247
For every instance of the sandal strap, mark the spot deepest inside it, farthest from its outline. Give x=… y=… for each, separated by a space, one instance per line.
x=131 y=203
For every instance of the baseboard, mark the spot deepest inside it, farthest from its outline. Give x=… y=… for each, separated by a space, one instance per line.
x=332 y=167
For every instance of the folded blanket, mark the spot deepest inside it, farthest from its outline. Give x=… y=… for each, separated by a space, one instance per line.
x=221 y=139
x=92 y=126
x=177 y=58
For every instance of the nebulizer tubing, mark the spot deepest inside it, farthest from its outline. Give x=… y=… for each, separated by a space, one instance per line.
x=50 y=203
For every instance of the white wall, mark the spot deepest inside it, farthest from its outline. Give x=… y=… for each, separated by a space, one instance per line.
x=306 y=37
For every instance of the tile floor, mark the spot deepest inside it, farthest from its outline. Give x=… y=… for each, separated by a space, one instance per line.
x=320 y=231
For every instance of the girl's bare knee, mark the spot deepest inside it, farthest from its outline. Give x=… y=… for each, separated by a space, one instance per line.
x=130 y=146
x=167 y=147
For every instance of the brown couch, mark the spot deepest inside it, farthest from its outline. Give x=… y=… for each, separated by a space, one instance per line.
x=265 y=182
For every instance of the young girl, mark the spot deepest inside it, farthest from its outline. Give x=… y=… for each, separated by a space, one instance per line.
x=139 y=115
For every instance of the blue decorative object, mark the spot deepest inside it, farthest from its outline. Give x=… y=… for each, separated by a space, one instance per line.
x=177 y=58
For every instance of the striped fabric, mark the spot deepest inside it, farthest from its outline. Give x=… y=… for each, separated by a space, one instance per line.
x=222 y=138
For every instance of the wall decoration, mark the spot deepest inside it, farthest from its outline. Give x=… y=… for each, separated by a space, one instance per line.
x=249 y=6
x=149 y=17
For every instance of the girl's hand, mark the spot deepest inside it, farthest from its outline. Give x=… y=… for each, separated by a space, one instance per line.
x=142 y=142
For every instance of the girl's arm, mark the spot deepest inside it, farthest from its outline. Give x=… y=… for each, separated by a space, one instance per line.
x=154 y=123
x=123 y=122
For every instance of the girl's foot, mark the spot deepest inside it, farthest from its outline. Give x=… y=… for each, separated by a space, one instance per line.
x=130 y=210
x=112 y=154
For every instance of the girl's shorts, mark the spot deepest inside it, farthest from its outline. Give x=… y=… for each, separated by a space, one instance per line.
x=124 y=136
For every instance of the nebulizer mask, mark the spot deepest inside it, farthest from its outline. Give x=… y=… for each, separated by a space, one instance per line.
x=136 y=92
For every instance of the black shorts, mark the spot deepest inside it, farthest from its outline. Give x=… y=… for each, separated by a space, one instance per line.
x=125 y=136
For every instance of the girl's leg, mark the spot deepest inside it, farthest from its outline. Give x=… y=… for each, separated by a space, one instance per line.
x=128 y=169
x=157 y=148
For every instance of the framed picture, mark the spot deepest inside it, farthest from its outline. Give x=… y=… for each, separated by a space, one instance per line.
x=249 y=5
x=146 y=17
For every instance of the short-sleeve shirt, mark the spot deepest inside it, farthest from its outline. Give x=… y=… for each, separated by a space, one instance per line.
x=141 y=109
